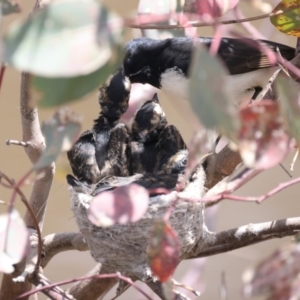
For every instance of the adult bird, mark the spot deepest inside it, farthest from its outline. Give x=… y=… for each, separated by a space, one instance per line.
x=165 y=64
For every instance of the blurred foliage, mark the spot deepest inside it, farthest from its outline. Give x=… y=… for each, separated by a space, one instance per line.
x=277 y=276
x=70 y=46
x=289 y=105
x=288 y=22
x=263 y=142
x=124 y=205
x=60 y=132
x=209 y=96
x=163 y=250
x=13 y=240
x=10 y=7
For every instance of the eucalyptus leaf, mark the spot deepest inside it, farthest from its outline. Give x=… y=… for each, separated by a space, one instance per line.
x=10 y=7
x=60 y=133
x=126 y=204
x=13 y=240
x=56 y=91
x=263 y=141
x=163 y=250
x=64 y=39
x=289 y=21
x=289 y=105
x=208 y=93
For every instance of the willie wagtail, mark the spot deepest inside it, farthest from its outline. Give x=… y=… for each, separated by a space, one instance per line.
x=165 y=64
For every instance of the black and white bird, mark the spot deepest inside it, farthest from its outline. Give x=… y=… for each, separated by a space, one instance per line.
x=165 y=64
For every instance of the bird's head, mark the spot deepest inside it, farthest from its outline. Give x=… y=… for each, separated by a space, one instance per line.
x=142 y=60
x=114 y=95
x=148 y=122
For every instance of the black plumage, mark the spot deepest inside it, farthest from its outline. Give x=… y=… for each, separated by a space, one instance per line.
x=165 y=64
x=156 y=147
x=105 y=150
x=146 y=59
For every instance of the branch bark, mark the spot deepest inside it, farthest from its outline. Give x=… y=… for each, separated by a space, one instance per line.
x=59 y=242
x=243 y=236
x=32 y=135
x=94 y=288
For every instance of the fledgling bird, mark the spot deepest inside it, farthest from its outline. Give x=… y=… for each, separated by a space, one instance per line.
x=157 y=148
x=165 y=64
x=105 y=150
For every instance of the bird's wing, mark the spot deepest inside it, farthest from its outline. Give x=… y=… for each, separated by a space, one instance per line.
x=241 y=56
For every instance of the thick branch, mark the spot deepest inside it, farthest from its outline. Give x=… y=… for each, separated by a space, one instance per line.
x=93 y=288
x=246 y=235
x=59 y=242
x=33 y=137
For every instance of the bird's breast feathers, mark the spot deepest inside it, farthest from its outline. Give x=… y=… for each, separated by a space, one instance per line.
x=240 y=87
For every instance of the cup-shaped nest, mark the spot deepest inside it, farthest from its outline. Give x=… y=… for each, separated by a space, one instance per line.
x=123 y=248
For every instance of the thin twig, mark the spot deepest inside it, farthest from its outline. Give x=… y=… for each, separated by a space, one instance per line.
x=263 y=93
x=114 y=275
x=130 y=22
x=298 y=46
x=15 y=142
x=227 y=194
x=223 y=287
x=285 y=170
x=186 y=287
x=2 y=71
x=93 y=288
x=56 y=293
x=260 y=199
x=294 y=160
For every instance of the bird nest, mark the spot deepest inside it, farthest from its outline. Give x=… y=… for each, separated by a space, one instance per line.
x=123 y=248
x=152 y=150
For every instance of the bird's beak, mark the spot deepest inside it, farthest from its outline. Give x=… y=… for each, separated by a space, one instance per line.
x=135 y=77
x=155 y=98
x=140 y=76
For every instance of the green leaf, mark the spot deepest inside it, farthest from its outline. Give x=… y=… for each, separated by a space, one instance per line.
x=208 y=94
x=10 y=7
x=289 y=21
x=289 y=105
x=64 y=39
x=56 y=91
x=60 y=133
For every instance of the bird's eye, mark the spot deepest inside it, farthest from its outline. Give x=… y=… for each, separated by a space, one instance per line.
x=127 y=59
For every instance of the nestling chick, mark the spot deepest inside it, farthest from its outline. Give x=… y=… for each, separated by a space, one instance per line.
x=156 y=147
x=105 y=150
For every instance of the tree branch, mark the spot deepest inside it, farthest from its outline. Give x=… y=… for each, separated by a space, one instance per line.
x=101 y=276
x=32 y=136
x=93 y=288
x=59 y=242
x=243 y=236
